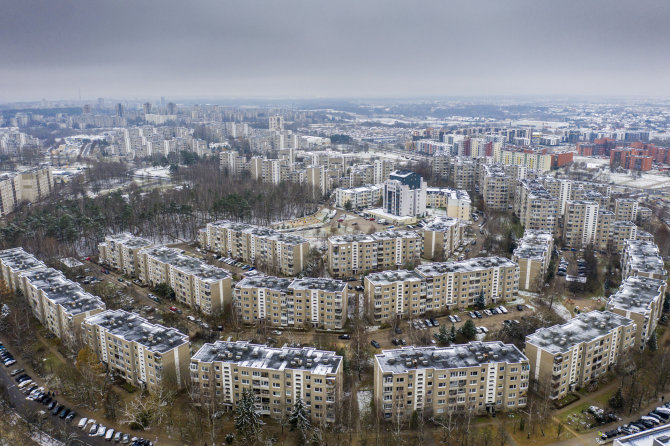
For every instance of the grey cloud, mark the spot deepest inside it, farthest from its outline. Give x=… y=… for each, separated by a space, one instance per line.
x=305 y=48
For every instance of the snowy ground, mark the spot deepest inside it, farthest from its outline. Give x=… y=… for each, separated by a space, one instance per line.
x=364 y=397
x=153 y=172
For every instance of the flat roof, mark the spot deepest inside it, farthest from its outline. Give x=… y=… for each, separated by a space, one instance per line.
x=533 y=244
x=186 y=264
x=473 y=354
x=392 y=276
x=261 y=356
x=259 y=231
x=319 y=283
x=636 y=294
x=62 y=291
x=584 y=327
x=657 y=436
x=441 y=223
x=262 y=281
x=377 y=236
x=18 y=260
x=469 y=265
x=134 y=328
x=127 y=239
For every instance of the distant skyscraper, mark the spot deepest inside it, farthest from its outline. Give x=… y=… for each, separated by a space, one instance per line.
x=119 y=109
x=171 y=108
x=87 y=109
x=162 y=101
x=101 y=103
x=147 y=108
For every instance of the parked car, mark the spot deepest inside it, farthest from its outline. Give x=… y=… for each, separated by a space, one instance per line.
x=16 y=372
x=93 y=431
x=345 y=337
x=82 y=423
x=109 y=434
x=375 y=344
x=117 y=436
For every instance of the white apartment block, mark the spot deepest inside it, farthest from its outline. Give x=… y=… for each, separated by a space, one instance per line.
x=382 y=170
x=580 y=223
x=478 y=377
x=266 y=248
x=308 y=302
x=146 y=355
x=196 y=284
x=405 y=194
x=119 y=251
x=359 y=253
x=30 y=186
x=359 y=197
x=625 y=209
x=640 y=299
x=564 y=357
x=278 y=377
x=533 y=255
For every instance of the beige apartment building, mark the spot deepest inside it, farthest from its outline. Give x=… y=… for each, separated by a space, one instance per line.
x=15 y=261
x=568 y=356
x=622 y=230
x=456 y=202
x=640 y=299
x=359 y=197
x=264 y=247
x=603 y=240
x=278 y=377
x=479 y=376
x=196 y=284
x=359 y=253
x=30 y=185
x=58 y=303
x=232 y=162
x=436 y=287
x=146 y=355
x=641 y=258
x=308 y=302
x=494 y=185
x=460 y=284
x=580 y=223
x=441 y=236
x=463 y=171
x=625 y=209
x=533 y=255
x=535 y=206
x=119 y=251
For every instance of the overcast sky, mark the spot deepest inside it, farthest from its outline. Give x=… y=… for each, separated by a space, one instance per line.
x=336 y=48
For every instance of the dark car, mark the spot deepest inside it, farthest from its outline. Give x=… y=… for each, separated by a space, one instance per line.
x=397 y=330
x=57 y=409
x=46 y=401
x=519 y=307
x=395 y=342
x=64 y=413
x=52 y=404
x=70 y=416
x=375 y=344
x=346 y=337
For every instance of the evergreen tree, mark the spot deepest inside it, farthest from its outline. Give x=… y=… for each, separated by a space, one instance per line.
x=247 y=420
x=452 y=335
x=299 y=419
x=652 y=343
x=442 y=335
x=480 y=302
x=468 y=330
x=616 y=401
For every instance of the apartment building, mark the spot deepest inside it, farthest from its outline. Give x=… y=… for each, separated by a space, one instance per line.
x=359 y=253
x=564 y=357
x=278 y=377
x=266 y=248
x=441 y=236
x=30 y=185
x=559 y=189
x=461 y=284
x=536 y=207
x=621 y=231
x=196 y=284
x=15 y=261
x=60 y=304
x=640 y=299
x=625 y=209
x=146 y=355
x=382 y=170
x=494 y=185
x=119 y=251
x=644 y=215
x=232 y=162
x=641 y=258
x=358 y=197
x=535 y=160
x=457 y=203
x=479 y=377
x=603 y=240
x=313 y=302
x=317 y=178
x=580 y=223
x=463 y=172
x=396 y=294
x=405 y=194
x=267 y=170
x=533 y=255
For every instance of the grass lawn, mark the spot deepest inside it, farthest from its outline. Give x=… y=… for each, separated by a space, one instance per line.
x=575 y=417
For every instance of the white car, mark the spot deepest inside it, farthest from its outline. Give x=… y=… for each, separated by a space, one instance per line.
x=82 y=423
x=109 y=434
x=503 y=309
x=101 y=431
x=117 y=436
